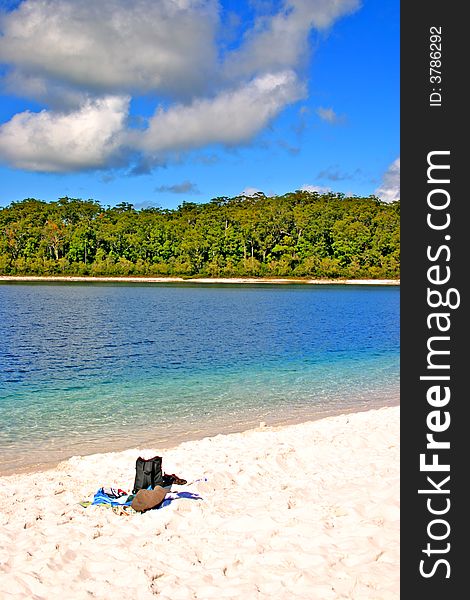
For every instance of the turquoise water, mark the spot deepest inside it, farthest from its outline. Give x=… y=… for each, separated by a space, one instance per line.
x=100 y=367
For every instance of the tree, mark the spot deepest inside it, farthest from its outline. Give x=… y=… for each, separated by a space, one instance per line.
x=299 y=234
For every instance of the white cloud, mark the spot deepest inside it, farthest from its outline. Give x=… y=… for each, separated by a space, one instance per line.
x=329 y=115
x=281 y=41
x=56 y=142
x=114 y=46
x=229 y=118
x=95 y=135
x=389 y=190
x=57 y=96
x=168 y=46
x=86 y=60
x=315 y=188
x=321 y=14
x=250 y=191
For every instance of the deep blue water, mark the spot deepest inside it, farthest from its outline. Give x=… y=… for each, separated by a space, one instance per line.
x=97 y=367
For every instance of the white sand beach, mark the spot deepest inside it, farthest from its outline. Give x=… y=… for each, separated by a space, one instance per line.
x=301 y=511
x=216 y=280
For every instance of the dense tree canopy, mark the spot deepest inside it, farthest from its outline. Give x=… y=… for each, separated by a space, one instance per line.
x=301 y=234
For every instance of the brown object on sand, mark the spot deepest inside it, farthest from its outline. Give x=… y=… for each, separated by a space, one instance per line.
x=171 y=479
x=147 y=499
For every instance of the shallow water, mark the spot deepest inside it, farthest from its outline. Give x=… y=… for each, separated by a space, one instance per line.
x=101 y=367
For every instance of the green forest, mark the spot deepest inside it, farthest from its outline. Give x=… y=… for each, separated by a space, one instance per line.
x=299 y=234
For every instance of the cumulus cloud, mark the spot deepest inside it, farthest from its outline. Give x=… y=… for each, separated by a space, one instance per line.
x=112 y=45
x=329 y=115
x=58 y=96
x=186 y=187
x=229 y=118
x=57 y=142
x=85 y=61
x=389 y=190
x=49 y=141
x=280 y=41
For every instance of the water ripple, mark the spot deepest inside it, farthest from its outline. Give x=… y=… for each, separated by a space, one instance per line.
x=83 y=363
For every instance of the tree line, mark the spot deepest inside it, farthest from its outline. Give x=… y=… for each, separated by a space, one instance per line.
x=299 y=234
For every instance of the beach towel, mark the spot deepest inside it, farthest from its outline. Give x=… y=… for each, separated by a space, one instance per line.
x=113 y=497
x=172 y=496
x=114 y=492
x=116 y=497
x=122 y=504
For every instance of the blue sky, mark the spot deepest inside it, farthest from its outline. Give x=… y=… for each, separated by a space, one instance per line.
x=155 y=102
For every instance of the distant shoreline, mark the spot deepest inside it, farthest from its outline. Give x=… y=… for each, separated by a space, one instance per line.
x=216 y=280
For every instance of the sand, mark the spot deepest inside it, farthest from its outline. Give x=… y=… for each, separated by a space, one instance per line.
x=217 y=280
x=305 y=511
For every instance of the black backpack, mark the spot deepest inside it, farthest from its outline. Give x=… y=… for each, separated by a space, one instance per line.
x=148 y=473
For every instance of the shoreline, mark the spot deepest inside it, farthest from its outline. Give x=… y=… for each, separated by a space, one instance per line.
x=205 y=280
x=218 y=429
x=309 y=509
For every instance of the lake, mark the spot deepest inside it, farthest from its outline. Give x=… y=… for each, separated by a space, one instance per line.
x=106 y=366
